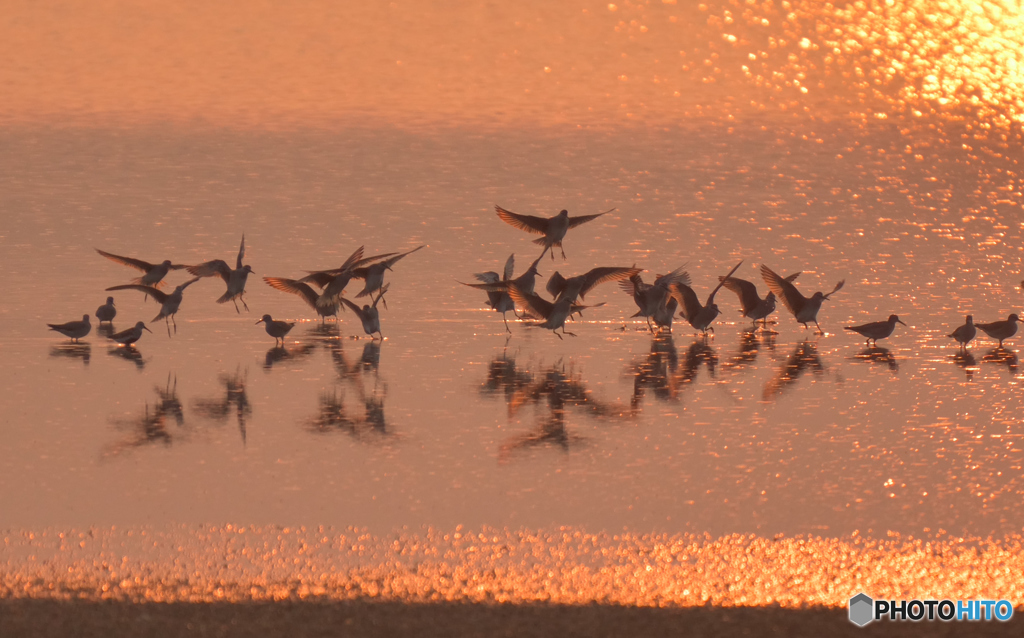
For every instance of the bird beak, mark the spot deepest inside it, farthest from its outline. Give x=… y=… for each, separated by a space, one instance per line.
x=260 y=321
x=902 y=322
x=147 y=329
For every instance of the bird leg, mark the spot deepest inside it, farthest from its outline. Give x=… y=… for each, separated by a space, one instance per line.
x=236 y=305
x=507 y=329
x=242 y=299
x=649 y=326
x=167 y=322
x=564 y=258
x=820 y=331
x=567 y=333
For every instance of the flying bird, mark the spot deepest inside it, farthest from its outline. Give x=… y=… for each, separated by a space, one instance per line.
x=153 y=273
x=751 y=304
x=235 y=279
x=578 y=286
x=552 y=315
x=368 y=315
x=805 y=309
x=169 y=302
x=877 y=329
x=333 y=282
x=306 y=293
x=700 y=317
x=653 y=299
x=499 y=299
x=553 y=228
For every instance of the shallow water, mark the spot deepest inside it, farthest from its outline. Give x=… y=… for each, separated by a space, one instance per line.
x=913 y=201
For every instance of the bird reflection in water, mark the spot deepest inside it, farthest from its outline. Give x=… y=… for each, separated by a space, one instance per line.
x=81 y=351
x=278 y=354
x=129 y=353
x=105 y=329
x=553 y=392
x=235 y=400
x=878 y=355
x=698 y=354
x=505 y=377
x=656 y=372
x=363 y=379
x=751 y=342
x=966 y=360
x=805 y=357
x=1004 y=357
x=151 y=426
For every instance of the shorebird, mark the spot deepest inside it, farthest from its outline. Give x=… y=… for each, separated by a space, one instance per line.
x=235 y=279
x=74 y=330
x=131 y=335
x=752 y=306
x=876 y=330
x=553 y=228
x=169 y=302
x=1000 y=330
x=107 y=311
x=368 y=315
x=652 y=299
x=276 y=329
x=499 y=299
x=700 y=317
x=154 y=273
x=965 y=333
x=374 y=276
x=333 y=282
x=307 y=294
x=803 y=308
x=559 y=287
x=526 y=282
x=552 y=314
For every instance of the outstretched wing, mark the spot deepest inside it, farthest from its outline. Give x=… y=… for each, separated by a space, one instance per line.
x=215 y=268
x=489 y=277
x=536 y=306
x=356 y=309
x=746 y=291
x=583 y=219
x=836 y=289
x=144 y=266
x=241 y=252
x=321 y=278
x=294 y=287
x=602 y=275
x=679 y=275
x=711 y=297
x=510 y=267
x=687 y=299
x=159 y=295
x=495 y=286
x=529 y=223
x=784 y=290
x=388 y=263
x=556 y=284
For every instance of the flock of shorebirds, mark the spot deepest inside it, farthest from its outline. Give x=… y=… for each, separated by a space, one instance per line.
x=323 y=291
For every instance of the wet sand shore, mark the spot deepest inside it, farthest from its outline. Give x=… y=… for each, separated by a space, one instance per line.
x=44 y=618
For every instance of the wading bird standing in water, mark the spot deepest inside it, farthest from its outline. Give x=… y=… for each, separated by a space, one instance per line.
x=74 y=330
x=553 y=228
x=1000 y=329
x=965 y=333
x=700 y=317
x=235 y=279
x=876 y=330
x=368 y=315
